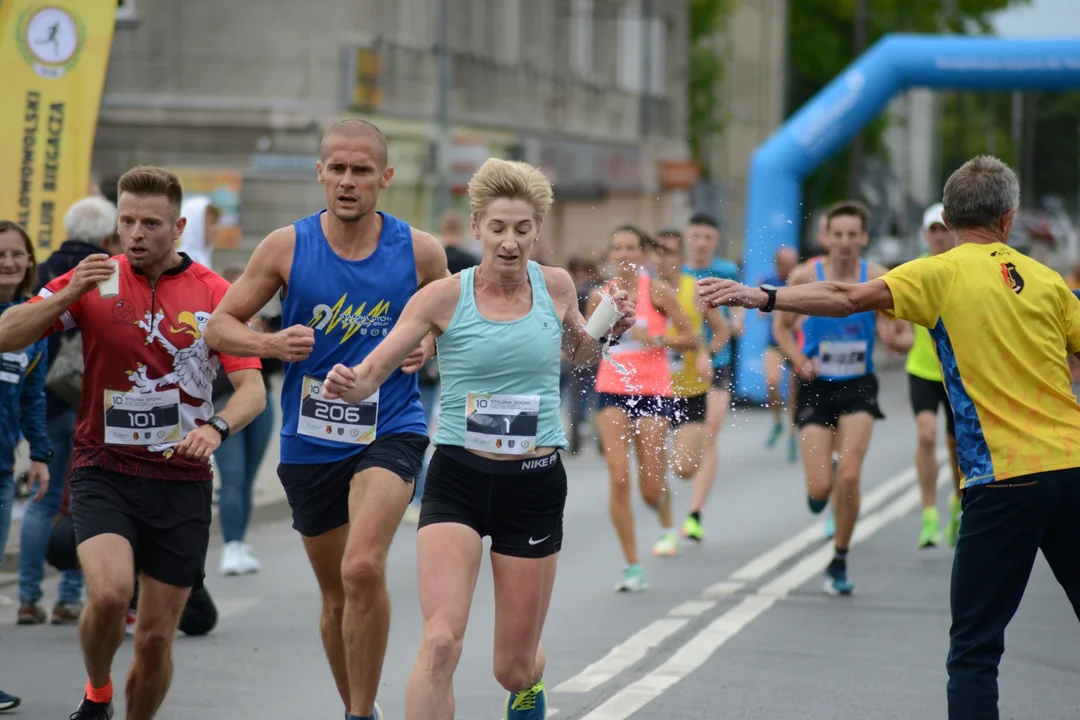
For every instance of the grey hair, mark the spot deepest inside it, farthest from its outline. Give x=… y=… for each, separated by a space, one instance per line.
x=91 y=219
x=979 y=193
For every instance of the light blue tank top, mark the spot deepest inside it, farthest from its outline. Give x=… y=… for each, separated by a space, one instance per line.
x=845 y=345
x=352 y=305
x=500 y=379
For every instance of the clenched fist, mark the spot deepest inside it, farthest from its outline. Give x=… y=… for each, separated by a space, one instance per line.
x=340 y=380
x=292 y=344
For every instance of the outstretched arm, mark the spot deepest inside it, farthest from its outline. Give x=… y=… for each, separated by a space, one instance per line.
x=578 y=346
x=824 y=299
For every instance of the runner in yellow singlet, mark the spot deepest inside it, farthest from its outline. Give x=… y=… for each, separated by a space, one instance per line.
x=927 y=391
x=691 y=376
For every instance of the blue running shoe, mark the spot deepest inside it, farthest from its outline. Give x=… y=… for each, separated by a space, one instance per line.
x=774 y=435
x=8 y=701
x=837 y=583
x=528 y=704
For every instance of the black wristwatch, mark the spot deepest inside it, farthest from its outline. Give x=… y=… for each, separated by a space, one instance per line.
x=770 y=290
x=220 y=425
x=46 y=457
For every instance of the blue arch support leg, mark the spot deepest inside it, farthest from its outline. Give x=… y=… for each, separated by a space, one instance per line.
x=825 y=124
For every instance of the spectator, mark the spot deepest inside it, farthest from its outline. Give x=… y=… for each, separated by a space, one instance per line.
x=90 y=225
x=200 y=233
x=452 y=232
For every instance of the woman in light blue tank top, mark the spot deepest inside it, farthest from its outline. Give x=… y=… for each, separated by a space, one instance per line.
x=502 y=328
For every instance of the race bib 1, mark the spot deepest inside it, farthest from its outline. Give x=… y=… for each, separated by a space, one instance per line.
x=337 y=420
x=846 y=358
x=142 y=418
x=13 y=367
x=503 y=424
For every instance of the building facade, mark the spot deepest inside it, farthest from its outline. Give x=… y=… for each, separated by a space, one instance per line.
x=235 y=97
x=754 y=48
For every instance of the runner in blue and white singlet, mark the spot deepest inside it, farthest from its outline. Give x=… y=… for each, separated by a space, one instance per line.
x=344 y=276
x=837 y=393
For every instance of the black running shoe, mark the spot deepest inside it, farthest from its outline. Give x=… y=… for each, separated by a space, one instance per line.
x=93 y=711
x=8 y=701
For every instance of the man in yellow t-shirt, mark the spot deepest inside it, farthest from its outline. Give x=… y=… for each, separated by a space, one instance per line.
x=691 y=379
x=927 y=392
x=1003 y=325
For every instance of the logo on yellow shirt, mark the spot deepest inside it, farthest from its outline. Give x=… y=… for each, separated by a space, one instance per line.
x=1012 y=278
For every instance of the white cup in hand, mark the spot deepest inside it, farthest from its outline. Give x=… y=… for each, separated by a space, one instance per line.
x=111 y=288
x=603 y=318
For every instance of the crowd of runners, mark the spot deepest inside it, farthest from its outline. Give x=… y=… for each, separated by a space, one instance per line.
x=175 y=361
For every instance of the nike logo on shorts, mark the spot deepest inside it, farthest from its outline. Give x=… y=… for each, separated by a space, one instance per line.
x=537 y=542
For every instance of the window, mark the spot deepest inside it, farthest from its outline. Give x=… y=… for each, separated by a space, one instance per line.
x=581 y=37
x=642 y=41
x=508 y=42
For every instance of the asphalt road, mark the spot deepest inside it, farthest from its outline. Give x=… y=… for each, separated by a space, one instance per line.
x=736 y=628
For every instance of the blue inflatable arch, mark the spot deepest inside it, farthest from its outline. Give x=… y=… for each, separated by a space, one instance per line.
x=824 y=125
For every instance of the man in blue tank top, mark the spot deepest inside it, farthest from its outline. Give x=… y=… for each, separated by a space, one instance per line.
x=837 y=395
x=344 y=274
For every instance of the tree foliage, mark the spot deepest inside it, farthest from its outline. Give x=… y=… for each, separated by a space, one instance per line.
x=706 y=72
x=822 y=44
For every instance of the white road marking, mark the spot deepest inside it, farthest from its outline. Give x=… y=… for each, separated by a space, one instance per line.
x=692 y=608
x=696 y=651
x=623 y=656
x=776 y=556
x=723 y=588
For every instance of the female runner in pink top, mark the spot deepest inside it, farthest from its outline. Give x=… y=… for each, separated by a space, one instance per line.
x=636 y=406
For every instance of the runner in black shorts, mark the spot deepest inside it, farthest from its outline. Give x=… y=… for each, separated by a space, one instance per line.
x=348 y=469
x=693 y=452
x=141 y=478
x=496 y=470
x=634 y=385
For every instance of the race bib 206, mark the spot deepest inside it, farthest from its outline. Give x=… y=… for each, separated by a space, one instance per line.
x=337 y=420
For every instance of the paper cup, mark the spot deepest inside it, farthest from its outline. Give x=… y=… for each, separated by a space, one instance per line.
x=602 y=319
x=111 y=288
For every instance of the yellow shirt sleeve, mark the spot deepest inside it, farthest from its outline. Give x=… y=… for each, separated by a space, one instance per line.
x=918 y=289
x=1072 y=322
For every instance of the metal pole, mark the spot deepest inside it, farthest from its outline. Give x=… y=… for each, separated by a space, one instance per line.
x=445 y=136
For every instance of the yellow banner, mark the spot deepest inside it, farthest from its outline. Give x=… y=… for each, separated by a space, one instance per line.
x=53 y=56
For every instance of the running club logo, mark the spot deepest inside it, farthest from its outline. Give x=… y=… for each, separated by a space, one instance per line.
x=1012 y=277
x=350 y=320
x=51 y=39
x=193 y=370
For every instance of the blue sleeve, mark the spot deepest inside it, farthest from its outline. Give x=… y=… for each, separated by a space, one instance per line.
x=32 y=402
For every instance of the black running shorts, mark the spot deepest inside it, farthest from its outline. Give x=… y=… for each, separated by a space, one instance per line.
x=822 y=402
x=724 y=378
x=167 y=522
x=927 y=395
x=636 y=406
x=688 y=410
x=319 y=494
x=518 y=502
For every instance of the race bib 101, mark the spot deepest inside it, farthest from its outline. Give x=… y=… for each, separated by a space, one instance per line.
x=846 y=358
x=142 y=418
x=337 y=420
x=503 y=424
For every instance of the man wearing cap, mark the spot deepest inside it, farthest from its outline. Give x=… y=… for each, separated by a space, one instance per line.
x=927 y=391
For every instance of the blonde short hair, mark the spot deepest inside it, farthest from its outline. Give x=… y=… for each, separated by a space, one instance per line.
x=498 y=178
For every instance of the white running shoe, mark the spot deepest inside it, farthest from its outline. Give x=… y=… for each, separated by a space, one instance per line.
x=236 y=559
x=667 y=545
